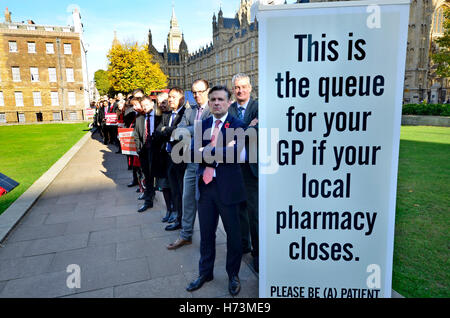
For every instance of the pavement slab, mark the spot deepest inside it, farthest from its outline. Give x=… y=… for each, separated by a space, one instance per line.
x=57 y=244
x=162 y=287
x=24 y=267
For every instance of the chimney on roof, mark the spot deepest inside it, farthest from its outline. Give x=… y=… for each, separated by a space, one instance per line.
x=7 y=16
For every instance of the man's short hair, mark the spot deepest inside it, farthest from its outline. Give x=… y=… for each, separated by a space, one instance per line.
x=145 y=97
x=162 y=95
x=135 y=100
x=137 y=90
x=220 y=88
x=240 y=76
x=201 y=80
x=180 y=91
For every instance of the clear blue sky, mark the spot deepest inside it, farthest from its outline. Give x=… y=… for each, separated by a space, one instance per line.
x=131 y=19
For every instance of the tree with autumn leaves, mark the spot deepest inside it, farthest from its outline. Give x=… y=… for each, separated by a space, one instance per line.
x=130 y=66
x=102 y=82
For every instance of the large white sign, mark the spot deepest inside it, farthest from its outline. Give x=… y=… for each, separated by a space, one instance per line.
x=330 y=95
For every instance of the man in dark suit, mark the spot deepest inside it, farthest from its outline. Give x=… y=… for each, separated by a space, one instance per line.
x=175 y=171
x=143 y=134
x=195 y=114
x=246 y=109
x=220 y=189
x=103 y=109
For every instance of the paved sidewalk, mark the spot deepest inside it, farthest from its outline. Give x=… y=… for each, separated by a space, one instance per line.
x=88 y=217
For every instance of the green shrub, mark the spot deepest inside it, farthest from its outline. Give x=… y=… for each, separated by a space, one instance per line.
x=426 y=109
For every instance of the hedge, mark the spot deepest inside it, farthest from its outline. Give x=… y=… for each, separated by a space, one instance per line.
x=426 y=109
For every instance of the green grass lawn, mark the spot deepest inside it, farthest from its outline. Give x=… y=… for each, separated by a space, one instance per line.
x=28 y=151
x=422 y=241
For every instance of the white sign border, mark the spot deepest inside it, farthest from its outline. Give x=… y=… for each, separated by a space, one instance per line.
x=404 y=15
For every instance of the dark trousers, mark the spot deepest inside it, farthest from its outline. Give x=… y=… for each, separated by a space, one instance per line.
x=145 y=157
x=113 y=133
x=209 y=209
x=175 y=174
x=248 y=212
x=105 y=133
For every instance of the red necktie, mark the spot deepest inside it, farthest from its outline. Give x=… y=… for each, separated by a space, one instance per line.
x=208 y=174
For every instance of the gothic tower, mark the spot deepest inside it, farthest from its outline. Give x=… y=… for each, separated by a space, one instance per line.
x=175 y=36
x=243 y=14
x=115 y=40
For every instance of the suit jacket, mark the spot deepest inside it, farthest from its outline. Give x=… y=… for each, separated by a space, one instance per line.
x=113 y=108
x=167 y=133
x=139 y=132
x=229 y=178
x=250 y=113
x=101 y=115
x=189 y=118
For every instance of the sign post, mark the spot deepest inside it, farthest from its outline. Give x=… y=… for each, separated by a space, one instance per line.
x=330 y=96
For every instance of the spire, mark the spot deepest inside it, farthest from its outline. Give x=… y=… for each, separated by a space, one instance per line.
x=173 y=19
x=150 y=37
x=244 y=12
x=7 y=16
x=115 y=41
x=183 y=47
x=174 y=37
x=220 y=16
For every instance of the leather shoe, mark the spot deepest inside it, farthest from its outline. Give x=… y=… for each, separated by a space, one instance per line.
x=132 y=184
x=178 y=243
x=173 y=226
x=173 y=217
x=198 y=283
x=167 y=217
x=234 y=285
x=145 y=207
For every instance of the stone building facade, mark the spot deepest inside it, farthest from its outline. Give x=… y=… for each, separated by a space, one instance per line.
x=437 y=89
x=234 y=49
x=43 y=72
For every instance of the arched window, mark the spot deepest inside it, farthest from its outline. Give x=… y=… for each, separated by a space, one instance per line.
x=438 y=20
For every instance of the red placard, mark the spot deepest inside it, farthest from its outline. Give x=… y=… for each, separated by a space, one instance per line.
x=111 y=119
x=127 y=142
x=89 y=112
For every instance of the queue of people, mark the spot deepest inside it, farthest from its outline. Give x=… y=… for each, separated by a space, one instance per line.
x=210 y=186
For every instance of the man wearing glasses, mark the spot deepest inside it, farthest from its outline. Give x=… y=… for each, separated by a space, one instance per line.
x=193 y=115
